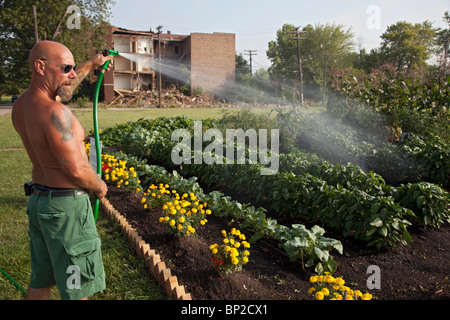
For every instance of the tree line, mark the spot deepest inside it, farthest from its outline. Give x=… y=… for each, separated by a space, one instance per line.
x=330 y=50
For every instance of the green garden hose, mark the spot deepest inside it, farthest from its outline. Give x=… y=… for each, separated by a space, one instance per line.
x=96 y=133
x=13 y=282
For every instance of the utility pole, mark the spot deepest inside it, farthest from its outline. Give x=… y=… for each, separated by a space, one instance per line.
x=251 y=53
x=159 y=57
x=298 y=37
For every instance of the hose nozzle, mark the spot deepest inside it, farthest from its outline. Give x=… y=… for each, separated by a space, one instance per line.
x=108 y=52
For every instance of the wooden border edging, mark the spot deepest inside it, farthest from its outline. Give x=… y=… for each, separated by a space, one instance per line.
x=152 y=260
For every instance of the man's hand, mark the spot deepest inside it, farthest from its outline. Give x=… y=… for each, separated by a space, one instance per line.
x=99 y=60
x=103 y=191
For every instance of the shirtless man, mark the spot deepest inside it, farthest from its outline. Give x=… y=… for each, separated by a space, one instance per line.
x=62 y=229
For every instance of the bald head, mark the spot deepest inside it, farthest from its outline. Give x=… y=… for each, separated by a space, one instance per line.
x=50 y=50
x=47 y=60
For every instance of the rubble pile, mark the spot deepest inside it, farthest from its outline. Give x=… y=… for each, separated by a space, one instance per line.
x=171 y=97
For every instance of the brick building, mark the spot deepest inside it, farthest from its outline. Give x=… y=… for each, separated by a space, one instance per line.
x=207 y=61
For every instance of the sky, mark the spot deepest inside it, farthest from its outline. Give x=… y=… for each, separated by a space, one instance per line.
x=255 y=22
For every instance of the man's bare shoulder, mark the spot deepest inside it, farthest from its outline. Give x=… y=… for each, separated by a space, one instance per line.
x=61 y=120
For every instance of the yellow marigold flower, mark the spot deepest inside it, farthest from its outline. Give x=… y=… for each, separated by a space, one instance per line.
x=181 y=219
x=208 y=211
x=202 y=222
x=172 y=223
x=246 y=252
x=310 y=291
x=313 y=279
x=161 y=219
x=179 y=227
x=245 y=259
x=145 y=206
x=226 y=240
x=234 y=261
x=138 y=189
x=319 y=295
x=325 y=292
x=339 y=281
x=366 y=296
x=143 y=200
x=214 y=251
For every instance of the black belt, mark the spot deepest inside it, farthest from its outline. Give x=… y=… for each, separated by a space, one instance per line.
x=59 y=193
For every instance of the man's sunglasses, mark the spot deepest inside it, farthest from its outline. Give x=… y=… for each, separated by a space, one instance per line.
x=65 y=67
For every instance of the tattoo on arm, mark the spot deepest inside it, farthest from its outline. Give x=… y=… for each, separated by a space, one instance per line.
x=63 y=126
x=80 y=77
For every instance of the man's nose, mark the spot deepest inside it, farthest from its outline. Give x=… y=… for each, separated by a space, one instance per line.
x=72 y=74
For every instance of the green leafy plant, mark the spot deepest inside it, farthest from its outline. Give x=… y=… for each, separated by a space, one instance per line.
x=301 y=243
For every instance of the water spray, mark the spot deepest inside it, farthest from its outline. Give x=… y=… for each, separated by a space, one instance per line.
x=105 y=53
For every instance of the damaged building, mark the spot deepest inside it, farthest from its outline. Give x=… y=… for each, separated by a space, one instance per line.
x=202 y=60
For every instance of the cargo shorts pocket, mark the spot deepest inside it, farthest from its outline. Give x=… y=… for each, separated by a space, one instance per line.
x=86 y=255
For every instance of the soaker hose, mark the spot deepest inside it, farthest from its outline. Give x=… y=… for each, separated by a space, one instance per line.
x=105 y=52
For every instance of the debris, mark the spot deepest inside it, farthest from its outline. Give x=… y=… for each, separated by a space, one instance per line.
x=169 y=97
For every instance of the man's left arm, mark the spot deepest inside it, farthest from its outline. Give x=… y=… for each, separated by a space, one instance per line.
x=83 y=70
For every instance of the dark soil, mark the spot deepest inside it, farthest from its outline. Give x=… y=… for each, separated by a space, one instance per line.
x=418 y=271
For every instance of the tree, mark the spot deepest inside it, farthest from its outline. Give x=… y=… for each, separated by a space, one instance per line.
x=408 y=45
x=17 y=34
x=331 y=39
x=242 y=69
x=443 y=42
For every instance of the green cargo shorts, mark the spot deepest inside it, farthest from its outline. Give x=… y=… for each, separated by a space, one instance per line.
x=64 y=244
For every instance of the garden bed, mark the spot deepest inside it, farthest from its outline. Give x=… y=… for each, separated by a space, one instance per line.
x=416 y=271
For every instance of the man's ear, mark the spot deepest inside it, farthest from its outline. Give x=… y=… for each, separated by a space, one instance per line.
x=39 y=66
